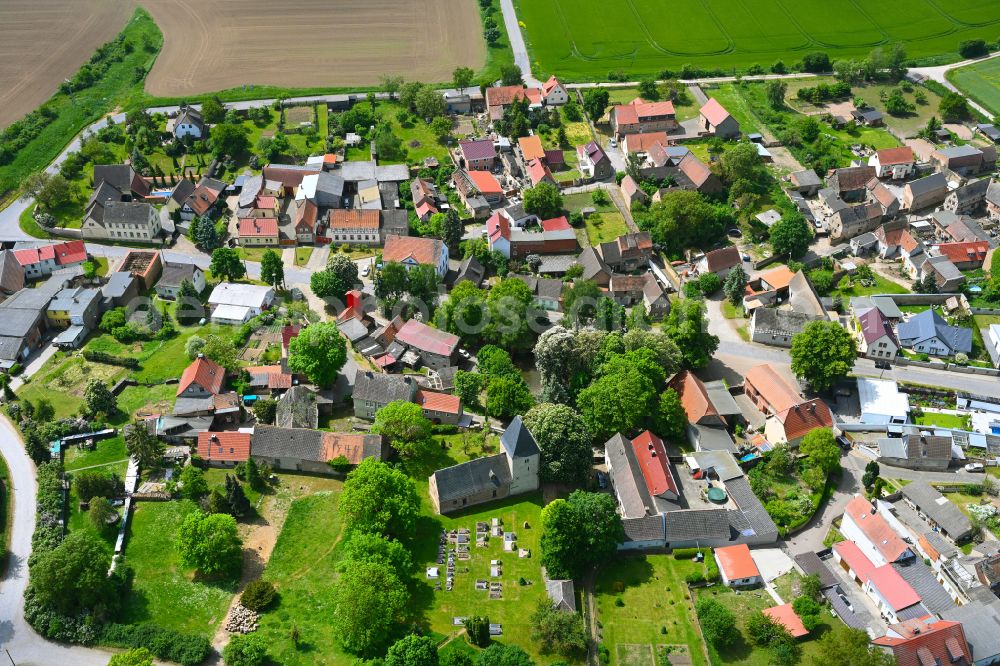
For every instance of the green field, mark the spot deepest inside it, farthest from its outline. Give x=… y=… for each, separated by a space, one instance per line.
x=981 y=82
x=587 y=39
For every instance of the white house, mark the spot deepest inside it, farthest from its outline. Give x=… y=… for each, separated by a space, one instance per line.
x=736 y=566
x=894 y=163
x=554 y=92
x=413 y=251
x=239 y=303
x=876 y=338
x=876 y=539
x=189 y=123
x=881 y=402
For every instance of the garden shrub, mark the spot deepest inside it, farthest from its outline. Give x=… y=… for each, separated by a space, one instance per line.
x=257 y=595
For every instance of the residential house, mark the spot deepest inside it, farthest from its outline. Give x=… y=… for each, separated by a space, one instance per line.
x=23 y=322
x=554 y=93
x=736 y=566
x=868 y=531
x=894 y=163
x=75 y=306
x=806 y=182
x=203 y=199
x=876 y=339
x=915 y=450
x=926 y=642
x=546 y=291
x=864 y=244
x=353 y=227
x=928 y=333
x=174 y=273
x=426 y=198
x=851 y=221
x=880 y=194
x=628 y=252
x=632 y=192
x=304 y=450
x=777 y=327
x=538 y=172
x=882 y=403
x=439 y=407
x=993 y=201
x=507 y=236
x=189 y=123
x=125 y=220
x=11 y=274
x=479 y=190
x=477 y=154
x=640 y=144
x=42 y=260
x=940 y=513
x=498 y=98
x=946 y=275
x=373 y=391
x=968 y=199
x=789 y=426
x=851 y=183
x=640 y=116
x=714 y=119
x=593 y=162
x=305 y=221
x=925 y=192
x=769 y=288
x=531 y=148
x=202 y=378
x=894 y=240
x=719 y=261
x=710 y=413
x=700 y=176
x=324 y=189
x=119 y=290
x=255 y=232
x=112 y=182
x=965 y=256
x=867 y=117
x=981 y=624
x=640 y=474
x=786 y=616
x=963 y=160
x=768 y=391
x=413 y=251
x=888 y=590
x=437 y=348
x=655 y=299
x=223 y=449
x=594 y=267
x=239 y=303
x=961 y=228
x=299 y=407
x=513 y=471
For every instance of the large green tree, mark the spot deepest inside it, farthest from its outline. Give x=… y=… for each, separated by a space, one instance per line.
x=823 y=354
x=369 y=547
x=507 y=396
x=344 y=268
x=406 y=428
x=380 y=499
x=503 y=655
x=99 y=398
x=227 y=264
x=791 y=235
x=543 y=200
x=512 y=308
x=557 y=631
x=143 y=445
x=717 y=622
x=579 y=532
x=683 y=219
x=670 y=419
x=272 y=270
x=412 y=650
x=618 y=402
x=844 y=645
x=134 y=657
x=820 y=448
x=327 y=284
x=687 y=326
x=464 y=313
x=595 y=101
x=580 y=302
x=210 y=543
x=368 y=600
x=564 y=441
x=73 y=576
x=318 y=352
x=245 y=650
x=229 y=139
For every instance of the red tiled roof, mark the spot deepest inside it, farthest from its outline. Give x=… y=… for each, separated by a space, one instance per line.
x=556 y=224
x=538 y=171
x=652 y=458
x=891 y=586
x=503 y=95
x=70 y=252
x=286 y=176
x=349 y=445
x=856 y=560
x=485 y=182
x=772 y=387
x=330 y=158
x=694 y=169
x=224 y=446
x=723 y=258
x=931 y=551
x=421 y=250
x=736 y=562
x=423 y=337
x=531 y=147
x=258 y=227
x=439 y=402
x=424 y=208
x=276 y=376
x=265 y=202
x=340 y=218
x=875 y=527
x=928 y=643
x=890 y=156
x=205 y=373
x=305 y=215
x=641 y=143
x=693 y=396
x=204 y=196
x=802 y=418
x=639 y=109
x=534 y=95
x=714 y=112
x=498 y=226
x=478 y=149
x=786 y=616
x=959 y=253
x=549 y=85
x=779 y=277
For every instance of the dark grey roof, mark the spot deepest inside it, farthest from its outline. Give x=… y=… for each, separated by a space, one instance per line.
x=127 y=212
x=981 y=624
x=297 y=408
x=175 y=273
x=760 y=522
x=935 y=181
x=471 y=270
x=395 y=222
x=940 y=544
x=10 y=348
x=913 y=612
x=330 y=183
x=275 y=442
x=354 y=329
x=806 y=178
x=780 y=322
x=692 y=524
x=182 y=190
x=647 y=528
x=928 y=324
x=811 y=564
x=392 y=172
x=74 y=300
x=472 y=477
x=356 y=171
x=592 y=264
x=517 y=441
x=843 y=612
x=118 y=176
x=626 y=477
x=974 y=191
x=721 y=398
x=965 y=150
x=102 y=195
x=923 y=581
x=562 y=594
x=938 y=508
x=17 y=323
x=189 y=115
x=251 y=188
x=186 y=406
x=383 y=389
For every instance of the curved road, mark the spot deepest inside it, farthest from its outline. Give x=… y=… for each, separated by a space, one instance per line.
x=27 y=648
x=939 y=74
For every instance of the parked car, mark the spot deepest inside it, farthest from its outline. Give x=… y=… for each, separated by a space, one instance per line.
x=974 y=467
x=366 y=270
x=613 y=143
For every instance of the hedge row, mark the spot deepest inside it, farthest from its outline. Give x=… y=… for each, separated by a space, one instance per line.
x=111 y=359
x=184 y=649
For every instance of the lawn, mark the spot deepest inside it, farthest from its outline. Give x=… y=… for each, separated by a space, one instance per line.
x=729 y=97
x=105 y=452
x=164 y=592
x=940 y=420
x=881 y=285
x=787 y=586
x=605 y=227
x=981 y=82
x=588 y=41
x=302 y=255
x=654 y=597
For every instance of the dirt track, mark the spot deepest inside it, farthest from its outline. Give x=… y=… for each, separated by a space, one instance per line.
x=218 y=44
x=43 y=42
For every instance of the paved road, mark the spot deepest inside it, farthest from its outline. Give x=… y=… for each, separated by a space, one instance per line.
x=27 y=648
x=810 y=540
x=939 y=74
x=959 y=476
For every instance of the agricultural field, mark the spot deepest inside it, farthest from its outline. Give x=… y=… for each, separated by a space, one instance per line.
x=46 y=41
x=588 y=39
x=311 y=43
x=981 y=82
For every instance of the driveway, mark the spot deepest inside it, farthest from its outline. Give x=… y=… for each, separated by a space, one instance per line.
x=22 y=644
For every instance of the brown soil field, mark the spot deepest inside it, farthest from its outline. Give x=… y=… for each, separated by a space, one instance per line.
x=218 y=44
x=43 y=42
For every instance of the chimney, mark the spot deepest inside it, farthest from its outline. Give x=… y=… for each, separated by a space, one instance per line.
x=200 y=355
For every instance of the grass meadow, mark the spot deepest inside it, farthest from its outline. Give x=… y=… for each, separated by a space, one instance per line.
x=587 y=39
x=981 y=82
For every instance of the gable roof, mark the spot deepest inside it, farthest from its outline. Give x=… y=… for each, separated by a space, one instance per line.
x=772 y=387
x=593 y=151
x=891 y=586
x=891 y=156
x=693 y=395
x=694 y=524
x=258 y=227
x=641 y=143
x=714 y=112
x=929 y=324
x=853 y=178
x=531 y=147
x=875 y=527
x=485 y=182
x=736 y=562
x=420 y=250
x=927 y=643
x=478 y=149
x=965 y=252
x=224 y=446
x=383 y=389
x=538 y=171
x=723 y=258
x=432 y=340
x=69 y=252
x=471 y=478
x=786 y=616
x=652 y=457
x=205 y=373
x=936 y=181
x=340 y=218
x=938 y=508
x=517 y=440
x=438 y=402
x=875 y=326
x=856 y=560
x=626 y=477
x=316 y=445
x=778 y=278
x=805 y=417
x=561 y=594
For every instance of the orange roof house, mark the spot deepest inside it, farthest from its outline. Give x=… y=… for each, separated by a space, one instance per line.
x=485 y=182
x=891 y=156
x=410 y=249
x=926 y=642
x=864 y=526
x=694 y=398
x=737 y=566
x=792 y=424
x=786 y=616
x=224 y=448
x=531 y=148
x=769 y=391
x=203 y=376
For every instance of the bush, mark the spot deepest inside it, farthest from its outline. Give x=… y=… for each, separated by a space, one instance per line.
x=111 y=359
x=258 y=595
x=185 y=649
x=973 y=48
